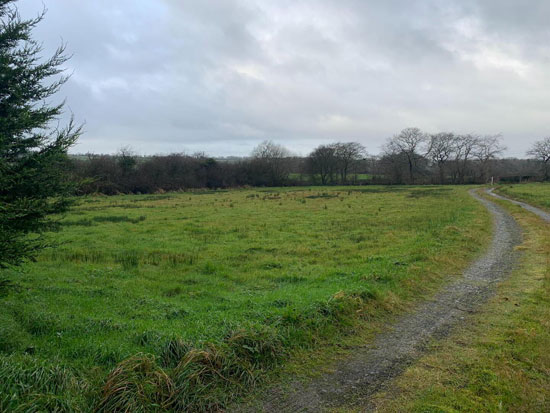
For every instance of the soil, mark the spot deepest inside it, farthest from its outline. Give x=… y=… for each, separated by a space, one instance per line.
x=371 y=367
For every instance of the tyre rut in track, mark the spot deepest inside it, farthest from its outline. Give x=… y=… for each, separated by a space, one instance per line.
x=371 y=367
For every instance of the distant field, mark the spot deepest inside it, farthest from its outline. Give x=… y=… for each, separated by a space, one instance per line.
x=537 y=194
x=361 y=177
x=245 y=275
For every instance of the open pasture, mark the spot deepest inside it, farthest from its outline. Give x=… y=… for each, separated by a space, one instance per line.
x=244 y=276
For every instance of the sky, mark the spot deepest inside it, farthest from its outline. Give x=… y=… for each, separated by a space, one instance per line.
x=220 y=76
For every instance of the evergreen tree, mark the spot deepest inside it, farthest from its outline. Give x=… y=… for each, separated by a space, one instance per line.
x=33 y=157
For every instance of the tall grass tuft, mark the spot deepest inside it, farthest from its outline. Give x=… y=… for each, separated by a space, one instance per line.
x=202 y=378
x=173 y=351
x=27 y=385
x=206 y=379
x=128 y=259
x=137 y=385
x=258 y=347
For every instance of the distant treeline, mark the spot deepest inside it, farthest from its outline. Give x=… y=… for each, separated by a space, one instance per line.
x=411 y=157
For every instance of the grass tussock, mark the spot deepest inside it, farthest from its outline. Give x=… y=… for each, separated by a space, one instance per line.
x=31 y=386
x=184 y=378
x=173 y=351
x=136 y=385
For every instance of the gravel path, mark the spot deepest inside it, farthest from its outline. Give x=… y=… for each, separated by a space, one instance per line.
x=543 y=214
x=355 y=379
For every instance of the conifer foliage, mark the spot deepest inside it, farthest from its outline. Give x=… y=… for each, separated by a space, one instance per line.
x=33 y=152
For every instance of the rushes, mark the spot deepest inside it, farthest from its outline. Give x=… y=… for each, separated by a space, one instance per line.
x=128 y=259
x=88 y=222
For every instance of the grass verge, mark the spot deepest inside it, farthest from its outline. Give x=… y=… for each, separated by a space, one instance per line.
x=537 y=194
x=500 y=360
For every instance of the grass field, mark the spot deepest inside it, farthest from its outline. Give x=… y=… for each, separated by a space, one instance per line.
x=499 y=361
x=183 y=301
x=537 y=194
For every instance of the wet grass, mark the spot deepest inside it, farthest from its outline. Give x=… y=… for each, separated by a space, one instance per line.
x=87 y=222
x=500 y=360
x=181 y=302
x=537 y=194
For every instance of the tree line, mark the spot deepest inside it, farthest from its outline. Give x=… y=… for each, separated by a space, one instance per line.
x=410 y=157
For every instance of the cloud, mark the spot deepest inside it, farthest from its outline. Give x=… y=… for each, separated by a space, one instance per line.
x=167 y=75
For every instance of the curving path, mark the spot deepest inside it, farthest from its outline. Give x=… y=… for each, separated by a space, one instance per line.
x=537 y=211
x=355 y=379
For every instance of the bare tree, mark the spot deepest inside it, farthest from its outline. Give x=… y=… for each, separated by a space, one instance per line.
x=440 y=149
x=409 y=143
x=464 y=148
x=348 y=154
x=393 y=167
x=486 y=150
x=541 y=152
x=323 y=162
x=271 y=160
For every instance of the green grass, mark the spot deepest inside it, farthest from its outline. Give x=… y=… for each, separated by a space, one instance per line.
x=537 y=194
x=185 y=300
x=500 y=360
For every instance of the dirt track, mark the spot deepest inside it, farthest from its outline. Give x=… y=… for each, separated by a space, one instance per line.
x=542 y=214
x=355 y=379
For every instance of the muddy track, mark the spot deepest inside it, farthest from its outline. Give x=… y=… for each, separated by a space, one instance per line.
x=371 y=367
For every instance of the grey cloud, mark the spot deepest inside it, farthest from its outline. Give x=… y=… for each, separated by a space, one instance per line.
x=217 y=76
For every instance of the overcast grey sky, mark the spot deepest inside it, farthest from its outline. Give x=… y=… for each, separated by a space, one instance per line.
x=220 y=76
